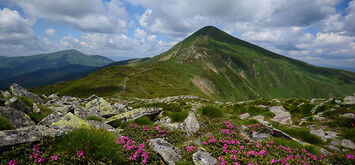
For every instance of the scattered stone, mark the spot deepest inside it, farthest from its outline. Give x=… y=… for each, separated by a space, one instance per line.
x=324 y=135
x=348 y=144
x=53 y=96
x=17 y=90
x=201 y=157
x=260 y=119
x=134 y=114
x=336 y=142
x=333 y=148
x=316 y=107
x=244 y=116
x=30 y=134
x=349 y=100
x=281 y=115
x=102 y=106
x=17 y=118
x=260 y=136
x=83 y=113
x=167 y=151
x=5 y=94
x=50 y=119
x=192 y=125
x=324 y=152
x=35 y=108
x=348 y=115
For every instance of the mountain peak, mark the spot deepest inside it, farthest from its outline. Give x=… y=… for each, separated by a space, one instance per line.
x=207 y=30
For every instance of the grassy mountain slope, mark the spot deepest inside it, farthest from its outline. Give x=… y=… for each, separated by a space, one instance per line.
x=14 y=66
x=214 y=64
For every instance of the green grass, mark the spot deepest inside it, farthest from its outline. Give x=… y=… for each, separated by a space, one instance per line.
x=178 y=116
x=96 y=144
x=211 y=111
x=96 y=118
x=341 y=122
x=5 y=124
x=292 y=144
x=144 y=120
x=37 y=117
x=26 y=101
x=302 y=134
x=348 y=133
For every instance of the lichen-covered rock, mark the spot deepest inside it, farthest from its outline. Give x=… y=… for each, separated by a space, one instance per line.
x=53 y=96
x=71 y=120
x=17 y=90
x=50 y=119
x=5 y=94
x=134 y=114
x=84 y=113
x=102 y=106
x=191 y=123
x=260 y=136
x=30 y=134
x=17 y=118
x=167 y=122
x=201 y=157
x=99 y=125
x=324 y=135
x=260 y=119
x=281 y=115
x=167 y=151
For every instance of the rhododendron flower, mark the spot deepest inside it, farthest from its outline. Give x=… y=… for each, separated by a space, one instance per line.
x=204 y=143
x=262 y=152
x=190 y=148
x=53 y=158
x=222 y=161
x=273 y=161
x=12 y=162
x=235 y=163
x=241 y=147
x=41 y=160
x=272 y=142
x=79 y=153
x=350 y=156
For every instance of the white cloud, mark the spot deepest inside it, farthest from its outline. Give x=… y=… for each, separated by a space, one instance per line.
x=86 y=15
x=50 y=31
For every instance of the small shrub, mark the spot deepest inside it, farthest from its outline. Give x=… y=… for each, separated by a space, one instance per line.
x=211 y=111
x=348 y=133
x=26 y=101
x=254 y=111
x=178 y=116
x=96 y=118
x=5 y=124
x=341 y=122
x=95 y=143
x=144 y=120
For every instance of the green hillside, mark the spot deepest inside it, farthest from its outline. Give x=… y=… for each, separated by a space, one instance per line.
x=14 y=66
x=213 y=64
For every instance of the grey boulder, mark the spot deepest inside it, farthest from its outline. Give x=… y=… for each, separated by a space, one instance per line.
x=167 y=151
x=15 y=117
x=201 y=157
x=17 y=90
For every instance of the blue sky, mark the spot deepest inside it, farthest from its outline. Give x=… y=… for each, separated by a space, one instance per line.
x=320 y=32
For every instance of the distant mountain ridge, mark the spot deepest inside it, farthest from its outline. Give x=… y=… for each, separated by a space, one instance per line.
x=44 y=69
x=213 y=64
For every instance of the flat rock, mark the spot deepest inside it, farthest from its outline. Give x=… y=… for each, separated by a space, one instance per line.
x=348 y=115
x=17 y=118
x=349 y=100
x=30 y=134
x=191 y=123
x=281 y=115
x=17 y=90
x=348 y=144
x=201 y=157
x=167 y=151
x=17 y=104
x=324 y=135
x=244 y=116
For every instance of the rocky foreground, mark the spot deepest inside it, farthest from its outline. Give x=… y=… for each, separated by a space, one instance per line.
x=179 y=129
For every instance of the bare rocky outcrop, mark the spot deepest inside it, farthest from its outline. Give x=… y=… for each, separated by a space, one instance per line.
x=17 y=118
x=17 y=90
x=134 y=114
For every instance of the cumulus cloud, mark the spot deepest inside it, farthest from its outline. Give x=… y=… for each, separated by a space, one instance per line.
x=86 y=15
x=50 y=31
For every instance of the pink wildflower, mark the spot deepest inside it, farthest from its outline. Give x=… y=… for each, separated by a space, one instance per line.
x=79 y=153
x=53 y=158
x=12 y=162
x=190 y=148
x=350 y=156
